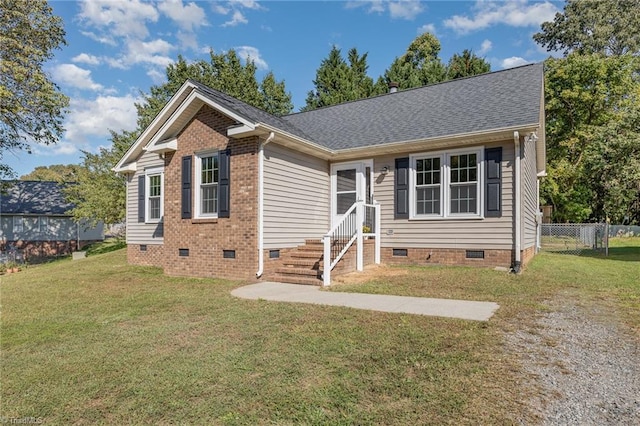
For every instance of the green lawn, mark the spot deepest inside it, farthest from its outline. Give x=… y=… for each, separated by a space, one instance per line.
x=99 y=341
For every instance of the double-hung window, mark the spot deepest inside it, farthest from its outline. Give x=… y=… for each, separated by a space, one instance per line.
x=463 y=184
x=154 y=191
x=207 y=180
x=446 y=184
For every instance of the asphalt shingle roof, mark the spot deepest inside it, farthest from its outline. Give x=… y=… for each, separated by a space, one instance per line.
x=247 y=111
x=33 y=198
x=485 y=102
x=480 y=103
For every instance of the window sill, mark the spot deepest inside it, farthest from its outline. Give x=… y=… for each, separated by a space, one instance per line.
x=204 y=220
x=439 y=218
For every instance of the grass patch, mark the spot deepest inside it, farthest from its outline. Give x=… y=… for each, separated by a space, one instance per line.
x=106 y=246
x=100 y=341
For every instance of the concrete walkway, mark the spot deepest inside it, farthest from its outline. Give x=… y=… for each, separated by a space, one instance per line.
x=463 y=309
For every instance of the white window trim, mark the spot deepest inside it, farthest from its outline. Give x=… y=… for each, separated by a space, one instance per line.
x=147 y=205
x=445 y=192
x=197 y=199
x=18 y=224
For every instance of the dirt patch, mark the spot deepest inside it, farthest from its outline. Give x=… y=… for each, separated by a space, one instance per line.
x=370 y=272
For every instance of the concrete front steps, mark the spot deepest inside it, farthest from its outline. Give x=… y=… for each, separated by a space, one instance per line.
x=302 y=265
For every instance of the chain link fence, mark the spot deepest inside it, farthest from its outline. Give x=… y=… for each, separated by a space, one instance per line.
x=574 y=238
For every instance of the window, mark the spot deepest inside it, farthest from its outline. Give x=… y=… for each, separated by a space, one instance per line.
x=154 y=191
x=207 y=179
x=18 y=224
x=428 y=187
x=463 y=183
x=43 y=222
x=446 y=184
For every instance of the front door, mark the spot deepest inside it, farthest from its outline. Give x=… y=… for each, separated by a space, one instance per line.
x=350 y=182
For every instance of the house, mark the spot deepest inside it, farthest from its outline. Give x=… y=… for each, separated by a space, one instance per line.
x=444 y=174
x=34 y=221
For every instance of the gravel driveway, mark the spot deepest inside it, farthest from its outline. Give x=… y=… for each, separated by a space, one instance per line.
x=585 y=365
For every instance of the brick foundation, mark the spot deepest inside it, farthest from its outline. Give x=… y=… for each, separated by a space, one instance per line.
x=428 y=256
x=527 y=254
x=153 y=255
x=32 y=251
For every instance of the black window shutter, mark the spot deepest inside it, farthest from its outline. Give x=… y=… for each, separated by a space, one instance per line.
x=186 y=187
x=141 y=196
x=401 y=189
x=493 y=184
x=224 y=184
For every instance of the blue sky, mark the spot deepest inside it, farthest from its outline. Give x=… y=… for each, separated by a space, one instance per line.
x=119 y=48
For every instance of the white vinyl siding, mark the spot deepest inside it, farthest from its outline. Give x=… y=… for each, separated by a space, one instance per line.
x=296 y=197
x=139 y=232
x=58 y=228
x=487 y=233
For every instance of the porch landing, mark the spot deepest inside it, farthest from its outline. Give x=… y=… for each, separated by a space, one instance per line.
x=448 y=308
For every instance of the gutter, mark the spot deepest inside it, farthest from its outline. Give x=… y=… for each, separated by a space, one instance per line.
x=261 y=204
x=517 y=225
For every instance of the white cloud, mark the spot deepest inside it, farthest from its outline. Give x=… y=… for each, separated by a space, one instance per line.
x=74 y=76
x=84 y=58
x=485 y=47
x=408 y=9
x=518 y=13
x=427 y=28
x=188 y=17
x=96 y=117
x=249 y=52
x=403 y=9
x=104 y=39
x=514 y=61
x=59 y=148
x=153 y=52
x=124 y=18
x=156 y=76
x=247 y=4
x=236 y=19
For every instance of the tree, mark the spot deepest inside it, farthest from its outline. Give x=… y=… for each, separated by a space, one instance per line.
x=100 y=194
x=418 y=66
x=337 y=82
x=56 y=173
x=31 y=106
x=466 y=65
x=593 y=128
x=610 y=27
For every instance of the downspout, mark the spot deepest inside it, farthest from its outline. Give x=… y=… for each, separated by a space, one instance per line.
x=516 y=184
x=261 y=204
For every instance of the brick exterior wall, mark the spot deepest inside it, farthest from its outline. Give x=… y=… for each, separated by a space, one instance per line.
x=527 y=254
x=37 y=250
x=207 y=238
x=152 y=256
x=426 y=256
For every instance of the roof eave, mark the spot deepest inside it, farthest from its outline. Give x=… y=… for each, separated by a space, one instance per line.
x=457 y=140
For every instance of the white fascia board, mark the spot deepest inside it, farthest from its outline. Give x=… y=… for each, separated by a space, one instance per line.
x=297 y=143
x=194 y=97
x=135 y=150
x=163 y=146
x=127 y=168
x=457 y=140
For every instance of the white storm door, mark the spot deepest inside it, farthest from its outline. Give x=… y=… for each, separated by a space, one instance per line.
x=348 y=185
